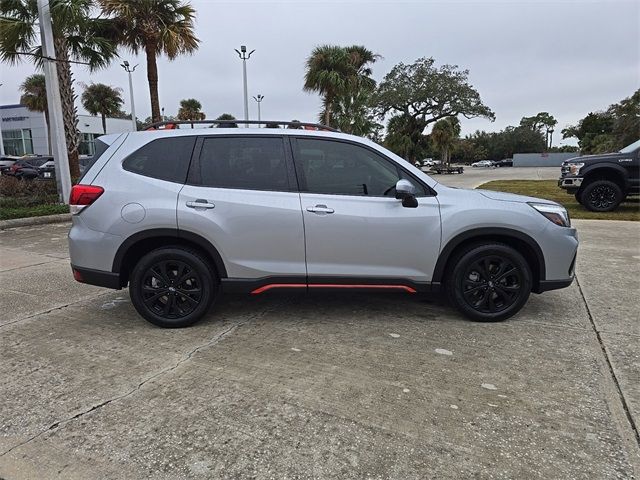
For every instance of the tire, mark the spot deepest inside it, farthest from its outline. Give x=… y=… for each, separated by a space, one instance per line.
x=172 y=287
x=602 y=196
x=578 y=196
x=489 y=283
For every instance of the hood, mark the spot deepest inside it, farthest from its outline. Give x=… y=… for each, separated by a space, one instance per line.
x=511 y=197
x=598 y=157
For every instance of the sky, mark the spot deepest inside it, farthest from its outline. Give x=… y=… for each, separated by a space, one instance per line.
x=566 y=57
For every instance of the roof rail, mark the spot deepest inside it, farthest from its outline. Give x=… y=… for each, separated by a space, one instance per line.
x=172 y=124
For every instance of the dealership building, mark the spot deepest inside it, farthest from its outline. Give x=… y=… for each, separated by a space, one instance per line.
x=24 y=132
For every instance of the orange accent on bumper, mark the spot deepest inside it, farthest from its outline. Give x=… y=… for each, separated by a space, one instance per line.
x=270 y=286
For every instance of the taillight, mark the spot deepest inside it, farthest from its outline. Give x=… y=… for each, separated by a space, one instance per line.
x=83 y=196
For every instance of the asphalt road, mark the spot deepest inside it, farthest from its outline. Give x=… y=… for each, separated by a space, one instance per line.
x=319 y=386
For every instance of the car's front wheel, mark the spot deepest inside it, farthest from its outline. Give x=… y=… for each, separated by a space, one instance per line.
x=489 y=283
x=602 y=196
x=172 y=287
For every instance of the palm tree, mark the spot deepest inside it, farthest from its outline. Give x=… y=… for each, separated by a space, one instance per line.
x=77 y=36
x=103 y=100
x=230 y=124
x=333 y=71
x=34 y=97
x=444 y=134
x=190 y=109
x=156 y=27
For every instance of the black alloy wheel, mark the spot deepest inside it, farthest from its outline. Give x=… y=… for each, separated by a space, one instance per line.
x=602 y=196
x=172 y=287
x=489 y=282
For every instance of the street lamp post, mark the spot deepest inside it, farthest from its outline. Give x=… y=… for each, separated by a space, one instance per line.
x=242 y=53
x=54 y=103
x=259 y=99
x=1 y=140
x=130 y=70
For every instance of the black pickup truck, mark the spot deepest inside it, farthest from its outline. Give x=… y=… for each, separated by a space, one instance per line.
x=601 y=182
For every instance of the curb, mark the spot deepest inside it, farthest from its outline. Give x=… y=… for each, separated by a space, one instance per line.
x=27 y=222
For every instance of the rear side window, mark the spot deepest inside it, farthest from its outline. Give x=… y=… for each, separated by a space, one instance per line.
x=86 y=164
x=254 y=163
x=164 y=159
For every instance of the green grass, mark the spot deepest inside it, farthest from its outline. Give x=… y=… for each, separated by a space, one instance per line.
x=35 y=206
x=549 y=190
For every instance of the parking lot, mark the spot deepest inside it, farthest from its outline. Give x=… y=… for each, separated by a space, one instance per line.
x=321 y=386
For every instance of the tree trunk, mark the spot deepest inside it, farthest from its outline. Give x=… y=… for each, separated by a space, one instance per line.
x=69 y=112
x=152 y=78
x=328 y=105
x=104 y=123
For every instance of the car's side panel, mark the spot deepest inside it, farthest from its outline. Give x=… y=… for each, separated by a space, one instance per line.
x=371 y=237
x=257 y=233
x=464 y=211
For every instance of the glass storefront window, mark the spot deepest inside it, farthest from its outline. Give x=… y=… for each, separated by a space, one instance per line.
x=17 y=142
x=87 y=143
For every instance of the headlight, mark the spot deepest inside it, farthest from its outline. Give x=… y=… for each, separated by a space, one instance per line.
x=555 y=213
x=574 y=168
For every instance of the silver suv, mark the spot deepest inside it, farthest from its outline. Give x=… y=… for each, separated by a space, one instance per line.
x=183 y=215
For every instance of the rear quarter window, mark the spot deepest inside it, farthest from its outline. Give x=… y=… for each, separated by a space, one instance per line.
x=101 y=147
x=164 y=159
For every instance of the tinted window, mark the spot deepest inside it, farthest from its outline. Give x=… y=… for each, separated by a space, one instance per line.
x=347 y=169
x=242 y=163
x=164 y=159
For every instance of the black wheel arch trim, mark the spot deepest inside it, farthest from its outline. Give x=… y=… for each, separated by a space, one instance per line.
x=450 y=247
x=173 y=233
x=590 y=172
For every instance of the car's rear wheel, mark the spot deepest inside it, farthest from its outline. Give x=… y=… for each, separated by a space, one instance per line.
x=172 y=287
x=602 y=196
x=489 y=283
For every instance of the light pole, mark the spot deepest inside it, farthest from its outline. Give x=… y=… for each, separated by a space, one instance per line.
x=242 y=53
x=259 y=99
x=54 y=103
x=130 y=70
x=1 y=140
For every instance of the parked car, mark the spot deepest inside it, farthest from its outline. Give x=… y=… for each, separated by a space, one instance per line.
x=181 y=216
x=601 y=182
x=483 y=163
x=507 y=162
x=25 y=168
x=48 y=169
x=5 y=163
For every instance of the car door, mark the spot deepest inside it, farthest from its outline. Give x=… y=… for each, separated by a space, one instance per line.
x=241 y=196
x=354 y=226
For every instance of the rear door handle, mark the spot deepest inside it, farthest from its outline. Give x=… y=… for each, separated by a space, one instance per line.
x=201 y=203
x=320 y=209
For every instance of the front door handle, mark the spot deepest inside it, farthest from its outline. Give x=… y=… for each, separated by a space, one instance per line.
x=201 y=203
x=320 y=209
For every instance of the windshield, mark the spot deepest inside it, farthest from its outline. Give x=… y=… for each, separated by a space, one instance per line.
x=630 y=148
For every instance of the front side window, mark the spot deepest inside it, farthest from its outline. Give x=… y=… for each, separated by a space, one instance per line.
x=164 y=159
x=340 y=168
x=253 y=163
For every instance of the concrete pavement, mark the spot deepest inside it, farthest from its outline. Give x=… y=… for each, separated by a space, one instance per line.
x=318 y=386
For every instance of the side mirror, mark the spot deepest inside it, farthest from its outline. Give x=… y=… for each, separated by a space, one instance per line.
x=406 y=191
